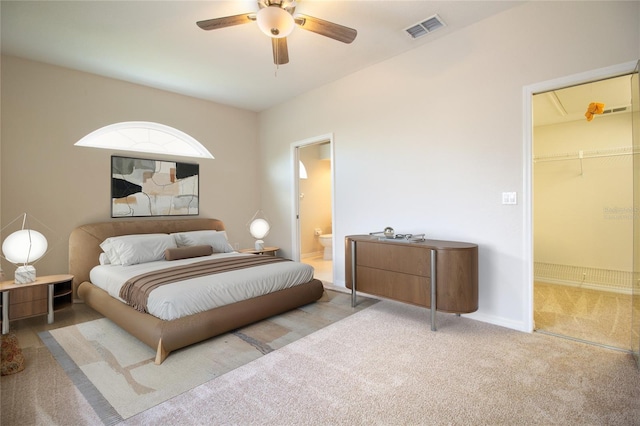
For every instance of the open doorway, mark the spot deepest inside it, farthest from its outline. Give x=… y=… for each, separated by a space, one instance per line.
x=582 y=180
x=313 y=222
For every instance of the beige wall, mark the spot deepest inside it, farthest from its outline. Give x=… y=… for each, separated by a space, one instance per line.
x=427 y=141
x=46 y=109
x=583 y=210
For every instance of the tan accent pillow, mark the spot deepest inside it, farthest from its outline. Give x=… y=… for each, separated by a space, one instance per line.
x=187 y=252
x=216 y=239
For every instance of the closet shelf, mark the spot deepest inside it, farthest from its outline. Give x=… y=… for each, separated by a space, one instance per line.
x=581 y=155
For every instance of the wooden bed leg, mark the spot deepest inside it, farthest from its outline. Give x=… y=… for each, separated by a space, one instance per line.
x=161 y=353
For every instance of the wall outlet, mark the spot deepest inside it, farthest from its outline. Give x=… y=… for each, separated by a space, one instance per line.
x=509 y=198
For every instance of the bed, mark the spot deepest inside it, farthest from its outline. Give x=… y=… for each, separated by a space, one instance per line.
x=167 y=335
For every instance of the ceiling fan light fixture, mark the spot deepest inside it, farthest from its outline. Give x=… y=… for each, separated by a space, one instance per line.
x=275 y=22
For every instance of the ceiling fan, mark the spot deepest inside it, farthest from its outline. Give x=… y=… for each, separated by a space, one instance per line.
x=275 y=19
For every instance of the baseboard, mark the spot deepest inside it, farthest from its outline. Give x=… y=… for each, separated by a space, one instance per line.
x=502 y=322
x=339 y=289
x=584 y=277
x=312 y=254
x=584 y=285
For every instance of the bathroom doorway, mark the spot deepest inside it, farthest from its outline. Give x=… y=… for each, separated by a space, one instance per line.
x=313 y=219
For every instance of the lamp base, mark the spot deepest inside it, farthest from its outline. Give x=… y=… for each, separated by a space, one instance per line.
x=259 y=245
x=25 y=274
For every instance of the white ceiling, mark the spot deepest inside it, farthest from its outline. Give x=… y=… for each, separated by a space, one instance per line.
x=571 y=103
x=157 y=43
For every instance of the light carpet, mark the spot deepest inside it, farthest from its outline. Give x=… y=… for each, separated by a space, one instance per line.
x=596 y=316
x=383 y=366
x=116 y=373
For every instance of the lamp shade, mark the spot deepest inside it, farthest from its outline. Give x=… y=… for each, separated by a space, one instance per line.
x=275 y=22
x=302 y=170
x=259 y=228
x=24 y=246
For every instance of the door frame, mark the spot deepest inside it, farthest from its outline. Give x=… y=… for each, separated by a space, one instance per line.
x=295 y=193
x=635 y=287
x=527 y=199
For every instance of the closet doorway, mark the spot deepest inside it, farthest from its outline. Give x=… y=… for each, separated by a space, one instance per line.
x=313 y=200
x=583 y=212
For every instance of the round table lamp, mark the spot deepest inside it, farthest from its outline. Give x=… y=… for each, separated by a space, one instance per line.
x=21 y=248
x=259 y=228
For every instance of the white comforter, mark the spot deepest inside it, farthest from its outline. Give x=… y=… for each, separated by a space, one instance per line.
x=195 y=295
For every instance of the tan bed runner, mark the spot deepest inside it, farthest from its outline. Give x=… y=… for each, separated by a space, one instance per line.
x=137 y=289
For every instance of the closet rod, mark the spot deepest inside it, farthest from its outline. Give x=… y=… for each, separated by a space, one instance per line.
x=581 y=155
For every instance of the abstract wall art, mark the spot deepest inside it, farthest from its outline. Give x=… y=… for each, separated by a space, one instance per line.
x=141 y=187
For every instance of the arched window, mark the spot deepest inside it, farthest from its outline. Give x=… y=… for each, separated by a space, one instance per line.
x=143 y=136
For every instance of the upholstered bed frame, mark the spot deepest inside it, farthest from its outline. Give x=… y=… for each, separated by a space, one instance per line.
x=166 y=336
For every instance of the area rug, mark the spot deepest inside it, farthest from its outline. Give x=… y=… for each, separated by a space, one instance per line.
x=116 y=373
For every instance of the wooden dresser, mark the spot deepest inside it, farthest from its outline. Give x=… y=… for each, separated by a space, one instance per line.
x=406 y=271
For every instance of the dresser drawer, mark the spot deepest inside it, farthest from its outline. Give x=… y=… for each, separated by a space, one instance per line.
x=28 y=309
x=394 y=257
x=28 y=302
x=406 y=288
x=28 y=294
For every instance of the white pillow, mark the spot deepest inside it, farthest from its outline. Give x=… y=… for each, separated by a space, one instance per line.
x=104 y=259
x=139 y=248
x=216 y=239
x=110 y=252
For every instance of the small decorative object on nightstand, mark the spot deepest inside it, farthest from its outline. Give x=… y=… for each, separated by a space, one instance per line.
x=41 y=297
x=269 y=251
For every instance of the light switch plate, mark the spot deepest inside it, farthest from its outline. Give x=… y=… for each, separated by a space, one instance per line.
x=509 y=198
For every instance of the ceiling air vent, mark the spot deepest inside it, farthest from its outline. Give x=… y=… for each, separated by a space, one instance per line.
x=424 y=27
x=615 y=110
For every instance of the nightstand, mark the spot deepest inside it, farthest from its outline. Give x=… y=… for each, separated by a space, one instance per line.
x=269 y=251
x=47 y=294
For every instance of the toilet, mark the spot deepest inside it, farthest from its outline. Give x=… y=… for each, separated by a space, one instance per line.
x=326 y=240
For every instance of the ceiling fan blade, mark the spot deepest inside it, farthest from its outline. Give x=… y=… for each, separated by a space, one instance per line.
x=227 y=21
x=326 y=28
x=280 y=51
